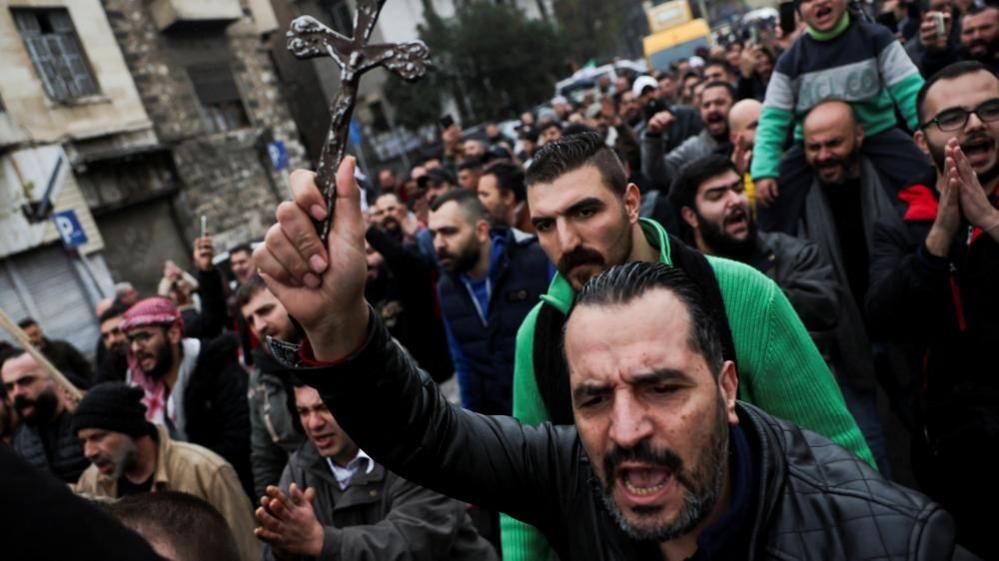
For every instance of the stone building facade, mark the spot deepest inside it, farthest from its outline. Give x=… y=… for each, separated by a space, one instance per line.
x=208 y=86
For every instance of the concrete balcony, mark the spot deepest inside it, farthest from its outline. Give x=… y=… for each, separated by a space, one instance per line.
x=191 y=14
x=10 y=133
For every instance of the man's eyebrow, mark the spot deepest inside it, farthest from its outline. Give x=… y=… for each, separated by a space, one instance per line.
x=587 y=202
x=587 y=389
x=659 y=376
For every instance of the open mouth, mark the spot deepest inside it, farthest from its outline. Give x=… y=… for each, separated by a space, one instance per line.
x=736 y=218
x=643 y=483
x=823 y=12
x=324 y=441
x=979 y=149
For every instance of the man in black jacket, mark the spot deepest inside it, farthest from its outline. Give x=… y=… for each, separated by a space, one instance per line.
x=62 y=354
x=196 y=388
x=711 y=197
x=400 y=285
x=662 y=463
x=44 y=438
x=934 y=280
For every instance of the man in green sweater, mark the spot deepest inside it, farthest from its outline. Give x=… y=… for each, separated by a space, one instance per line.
x=586 y=217
x=838 y=57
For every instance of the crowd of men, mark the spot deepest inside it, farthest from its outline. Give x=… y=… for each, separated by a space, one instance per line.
x=740 y=308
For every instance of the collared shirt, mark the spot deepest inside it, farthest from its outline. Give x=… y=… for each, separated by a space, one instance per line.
x=343 y=475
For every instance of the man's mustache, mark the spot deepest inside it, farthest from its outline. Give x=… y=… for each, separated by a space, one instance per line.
x=579 y=256
x=643 y=452
x=21 y=402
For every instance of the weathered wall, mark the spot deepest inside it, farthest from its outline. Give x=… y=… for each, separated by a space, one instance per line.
x=225 y=176
x=116 y=108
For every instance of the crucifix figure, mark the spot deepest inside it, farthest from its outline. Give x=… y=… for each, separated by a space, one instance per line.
x=307 y=38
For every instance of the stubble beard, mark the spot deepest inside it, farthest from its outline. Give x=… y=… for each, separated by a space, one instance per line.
x=702 y=489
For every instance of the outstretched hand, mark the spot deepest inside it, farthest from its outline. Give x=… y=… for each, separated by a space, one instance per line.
x=321 y=286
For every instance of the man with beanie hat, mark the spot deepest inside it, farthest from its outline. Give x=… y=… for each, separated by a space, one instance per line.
x=195 y=388
x=130 y=455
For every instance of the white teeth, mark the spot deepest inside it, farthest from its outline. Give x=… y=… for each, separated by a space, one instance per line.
x=643 y=490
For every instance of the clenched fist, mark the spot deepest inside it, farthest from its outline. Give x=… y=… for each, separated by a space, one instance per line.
x=321 y=286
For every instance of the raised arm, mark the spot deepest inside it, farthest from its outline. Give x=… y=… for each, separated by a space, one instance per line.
x=391 y=408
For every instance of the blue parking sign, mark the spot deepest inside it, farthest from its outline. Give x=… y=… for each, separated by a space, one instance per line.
x=278 y=154
x=69 y=228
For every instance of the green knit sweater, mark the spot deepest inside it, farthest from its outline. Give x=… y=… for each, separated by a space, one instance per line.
x=780 y=370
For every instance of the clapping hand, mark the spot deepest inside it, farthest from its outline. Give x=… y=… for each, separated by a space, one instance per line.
x=288 y=522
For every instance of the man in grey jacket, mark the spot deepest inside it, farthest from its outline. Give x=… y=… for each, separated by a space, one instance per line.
x=273 y=431
x=715 y=103
x=335 y=502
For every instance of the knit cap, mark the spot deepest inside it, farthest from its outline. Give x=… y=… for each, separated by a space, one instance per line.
x=115 y=407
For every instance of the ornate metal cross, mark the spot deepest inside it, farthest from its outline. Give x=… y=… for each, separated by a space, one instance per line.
x=307 y=38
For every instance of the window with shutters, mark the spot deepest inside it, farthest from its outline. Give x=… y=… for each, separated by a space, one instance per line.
x=219 y=97
x=56 y=53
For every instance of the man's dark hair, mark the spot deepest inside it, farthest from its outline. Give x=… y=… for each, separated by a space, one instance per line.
x=9 y=353
x=27 y=322
x=572 y=152
x=691 y=74
x=723 y=84
x=949 y=72
x=470 y=163
x=683 y=192
x=509 y=177
x=576 y=128
x=623 y=283
x=242 y=247
x=248 y=290
x=974 y=9
x=467 y=200
x=549 y=124
x=723 y=63
x=194 y=528
x=116 y=309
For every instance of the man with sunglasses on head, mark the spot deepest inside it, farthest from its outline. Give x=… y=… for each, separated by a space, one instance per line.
x=935 y=288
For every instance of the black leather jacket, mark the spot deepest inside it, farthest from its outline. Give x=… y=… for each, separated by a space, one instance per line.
x=816 y=500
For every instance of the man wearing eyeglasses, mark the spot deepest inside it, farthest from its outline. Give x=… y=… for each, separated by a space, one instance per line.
x=935 y=288
x=194 y=387
x=44 y=438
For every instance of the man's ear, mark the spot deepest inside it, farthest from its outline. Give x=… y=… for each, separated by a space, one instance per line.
x=632 y=202
x=482 y=230
x=859 y=134
x=509 y=199
x=175 y=334
x=728 y=385
x=920 y=138
x=689 y=216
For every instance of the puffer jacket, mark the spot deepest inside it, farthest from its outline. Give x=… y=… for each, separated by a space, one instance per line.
x=815 y=500
x=66 y=461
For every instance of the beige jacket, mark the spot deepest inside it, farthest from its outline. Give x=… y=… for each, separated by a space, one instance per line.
x=195 y=470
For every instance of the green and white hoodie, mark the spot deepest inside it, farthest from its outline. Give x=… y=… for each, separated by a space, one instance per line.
x=857 y=62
